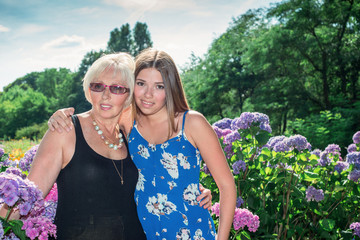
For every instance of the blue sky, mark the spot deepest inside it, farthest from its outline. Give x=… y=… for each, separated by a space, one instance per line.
x=40 y=34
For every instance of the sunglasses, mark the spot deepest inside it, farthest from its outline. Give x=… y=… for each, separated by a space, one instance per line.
x=114 y=89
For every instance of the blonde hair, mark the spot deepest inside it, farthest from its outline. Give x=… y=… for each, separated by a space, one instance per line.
x=120 y=63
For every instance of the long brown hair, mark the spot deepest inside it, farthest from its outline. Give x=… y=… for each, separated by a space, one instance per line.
x=175 y=96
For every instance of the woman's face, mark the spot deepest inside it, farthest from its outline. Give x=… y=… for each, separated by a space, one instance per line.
x=106 y=104
x=149 y=92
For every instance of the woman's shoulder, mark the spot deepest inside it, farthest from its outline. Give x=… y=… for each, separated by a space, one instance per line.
x=195 y=120
x=194 y=116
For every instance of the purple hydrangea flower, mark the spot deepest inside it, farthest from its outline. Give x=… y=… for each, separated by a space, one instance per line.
x=218 y=131
x=313 y=194
x=228 y=150
x=316 y=152
x=1 y=152
x=297 y=141
x=221 y=132
x=39 y=227
x=356 y=227
x=324 y=159
x=50 y=210
x=22 y=192
x=26 y=161
x=232 y=137
x=8 y=163
x=354 y=158
x=354 y=175
x=239 y=202
x=274 y=140
x=239 y=165
x=247 y=119
x=341 y=166
x=10 y=236
x=205 y=169
x=333 y=148
x=356 y=137
x=15 y=171
x=351 y=148
x=281 y=147
x=329 y=154
x=223 y=123
x=244 y=217
x=1 y=230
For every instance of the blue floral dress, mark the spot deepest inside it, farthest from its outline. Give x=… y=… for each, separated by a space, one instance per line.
x=167 y=188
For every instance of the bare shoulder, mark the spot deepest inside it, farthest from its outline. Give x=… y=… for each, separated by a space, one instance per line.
x=197 y=128
x=195 y=120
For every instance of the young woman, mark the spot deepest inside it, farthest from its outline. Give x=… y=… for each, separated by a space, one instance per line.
x=167 y=142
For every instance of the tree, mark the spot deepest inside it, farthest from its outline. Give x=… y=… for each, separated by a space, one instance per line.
x=217 y=85
x=142 y=38
x=20 y=108
x=125 y=40
x=120 y=39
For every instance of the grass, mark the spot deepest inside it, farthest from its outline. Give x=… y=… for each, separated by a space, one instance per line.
x=17 y=148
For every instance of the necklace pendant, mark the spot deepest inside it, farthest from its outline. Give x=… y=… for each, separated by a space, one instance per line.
x=122 y=182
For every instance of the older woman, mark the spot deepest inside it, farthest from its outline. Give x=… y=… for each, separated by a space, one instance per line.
x=92 y=166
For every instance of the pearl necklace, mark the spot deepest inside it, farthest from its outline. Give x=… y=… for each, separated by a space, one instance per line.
x=106 y=141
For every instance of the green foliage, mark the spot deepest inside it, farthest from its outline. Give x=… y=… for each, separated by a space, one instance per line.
x=23 y=144
x=35 y=131
x=20 y=108
x=290 y=61
x=324 y=128
x=273 y=186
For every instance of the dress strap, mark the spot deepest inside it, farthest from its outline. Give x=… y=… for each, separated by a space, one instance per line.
x=76 y=123
x=183 y=123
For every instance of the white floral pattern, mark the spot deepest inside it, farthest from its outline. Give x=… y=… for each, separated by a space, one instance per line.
x=140 y=183
x=169 y=162
x=183 y=234
x=160 y=205
x=190 y=194
x=143 y=151
x=183 y=161
x=198 y=235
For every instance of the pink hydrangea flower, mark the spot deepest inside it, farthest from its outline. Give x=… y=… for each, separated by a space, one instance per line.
x=215 y=209
x=244 y=217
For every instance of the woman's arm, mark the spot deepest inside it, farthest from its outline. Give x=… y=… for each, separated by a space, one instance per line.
x=60 y=120
x=201 y=134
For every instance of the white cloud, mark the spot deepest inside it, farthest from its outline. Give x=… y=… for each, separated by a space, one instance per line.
x=85 y=10
x=4 y=29
x=65 y=42
x=153 y=5
x=29 y=29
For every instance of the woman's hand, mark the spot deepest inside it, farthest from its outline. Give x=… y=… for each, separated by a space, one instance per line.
x=205 y=197
x=61 y=120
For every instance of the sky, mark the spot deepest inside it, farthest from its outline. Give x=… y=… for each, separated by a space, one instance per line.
x=40 y=34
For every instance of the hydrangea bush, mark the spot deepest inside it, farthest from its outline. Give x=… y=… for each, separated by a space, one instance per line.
x=285 y=189
x=20 y=194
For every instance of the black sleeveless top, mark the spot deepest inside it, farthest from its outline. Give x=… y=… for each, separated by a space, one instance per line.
x=92 y=203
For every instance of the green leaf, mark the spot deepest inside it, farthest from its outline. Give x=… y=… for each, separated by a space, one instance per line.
x=310 y=177
x=263 y=137
x=16 y=228
x=245 y=235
